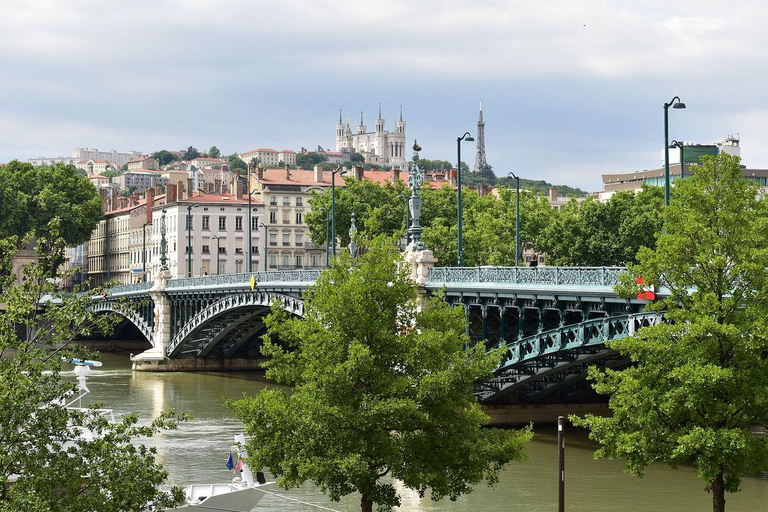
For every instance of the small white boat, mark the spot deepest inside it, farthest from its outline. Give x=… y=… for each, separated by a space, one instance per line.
x=240 y=495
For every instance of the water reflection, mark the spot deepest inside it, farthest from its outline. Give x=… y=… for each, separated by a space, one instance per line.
x=197 y=452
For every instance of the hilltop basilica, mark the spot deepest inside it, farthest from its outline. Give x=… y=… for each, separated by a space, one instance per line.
x=379 y=147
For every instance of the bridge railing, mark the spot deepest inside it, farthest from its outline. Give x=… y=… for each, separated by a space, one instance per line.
x=578 y=276
x=276 y=276
x=127 y=288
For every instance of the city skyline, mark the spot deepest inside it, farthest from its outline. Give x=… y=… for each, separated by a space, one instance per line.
x=569 y=91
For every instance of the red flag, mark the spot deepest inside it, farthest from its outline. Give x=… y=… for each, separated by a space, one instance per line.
x=648 y=292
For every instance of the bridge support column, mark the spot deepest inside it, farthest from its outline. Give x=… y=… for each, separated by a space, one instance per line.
x=161 y=336
x=420 y=261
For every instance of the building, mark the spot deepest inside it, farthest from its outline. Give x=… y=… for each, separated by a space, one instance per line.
x=140 y=179
x=692 y=153
x=98 y=180
x=218 y=234
x=266 y=157
x=205 y=162
x=143 y=162
x=95 y=166
x=379 y=147
x=85 y=154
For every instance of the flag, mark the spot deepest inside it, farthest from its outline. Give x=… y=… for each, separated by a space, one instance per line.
x=239 y=466
x=230 y=462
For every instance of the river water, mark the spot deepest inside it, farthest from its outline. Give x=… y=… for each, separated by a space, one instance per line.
x=197 y=452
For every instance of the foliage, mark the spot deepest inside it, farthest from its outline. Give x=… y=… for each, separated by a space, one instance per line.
x=111 y=174
x=485 y=176
x=541 y=187
x=30 y=197
x=190 y=154
x=165 y=157
x=308 y=160
x=591 y=233
x=698 y=381
x=236 y=163
x=357 y=158
x=435 y=165
x=54 y=467
x=380 y=388
x=214 y=152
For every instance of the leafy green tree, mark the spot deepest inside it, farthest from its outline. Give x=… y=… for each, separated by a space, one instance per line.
x=357 y=158
x=236 y=163
x=45 y=464
x=308 y=160
x=165 y=157
x=698 y=382
x=381 y=388
x=190 y=154
x=485 y=176
x=30 y=197
x=214 y=152
x=111 y=174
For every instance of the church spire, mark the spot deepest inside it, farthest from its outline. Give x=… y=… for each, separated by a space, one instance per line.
x=339 y=116
x=379 y=111
x=480 y=162
x=361 y=118
x=401 y=112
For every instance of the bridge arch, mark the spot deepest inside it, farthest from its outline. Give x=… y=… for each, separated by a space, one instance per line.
x=128 y=313
x=234 y=318
x=551 y=360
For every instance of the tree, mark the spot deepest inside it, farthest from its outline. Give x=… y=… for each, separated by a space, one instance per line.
x=165 y=157
x=380 y=388
x=236 y=163
x=30 y=197
x=46 y=464
x=214 y=152
x=357 y=158
x=698 y=382
x=111 y=174
x=308 y=160
x=190 y=154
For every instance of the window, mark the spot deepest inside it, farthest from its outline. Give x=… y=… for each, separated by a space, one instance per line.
x=206 y=249
x=299 y=239
x=222 y=223
x=272 y=261
x=273 y=239
x=238 y=250
x=223 y=250
x=254 y=223
x=239 y=267
x=222 y=267
x=315 y=260
x=299 y=201
x=299 y=260
x=286 y=216
x=238 y=223
x=273 y=217
x=286 y=239
x=272 y=201
x=254 y=249
x=189 y=222
x=299 y=219
x=286 y=260
x=286 y=201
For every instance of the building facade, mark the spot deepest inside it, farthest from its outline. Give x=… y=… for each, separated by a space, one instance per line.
x=266 y=157
x=379 y=147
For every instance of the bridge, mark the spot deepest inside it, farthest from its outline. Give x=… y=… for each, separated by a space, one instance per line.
x=554 y=321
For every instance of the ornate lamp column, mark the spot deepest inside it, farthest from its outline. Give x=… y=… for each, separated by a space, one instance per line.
x=415 y=180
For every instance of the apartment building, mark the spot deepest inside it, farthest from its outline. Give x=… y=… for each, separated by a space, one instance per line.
x=269 y=157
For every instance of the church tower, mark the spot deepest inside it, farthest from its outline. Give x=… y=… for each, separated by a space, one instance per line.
x=480 y=162
x=339 y=133
x=400 y=125
x=362 y=128
x=379 y=123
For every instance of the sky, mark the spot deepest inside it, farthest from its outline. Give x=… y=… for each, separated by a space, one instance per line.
x=570 y=89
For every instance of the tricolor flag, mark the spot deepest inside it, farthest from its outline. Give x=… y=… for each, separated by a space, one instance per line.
x=239 y=466
x=230 y=461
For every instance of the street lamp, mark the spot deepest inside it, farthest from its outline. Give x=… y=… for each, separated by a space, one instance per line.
x=468 y=138
x=189 y=238
x=218 y=254
x=251 y=165
x=262 y=225
x=407 y=219
x=144 y=250
x=679 y=145
x=340 y=171
x=517 y=219
x=327 y=233
x=678 y=105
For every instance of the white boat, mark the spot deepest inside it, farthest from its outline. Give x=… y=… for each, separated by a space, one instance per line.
x=240 y=495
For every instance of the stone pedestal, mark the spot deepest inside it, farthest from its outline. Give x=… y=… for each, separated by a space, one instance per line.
x=161 y=335
x=420 y=261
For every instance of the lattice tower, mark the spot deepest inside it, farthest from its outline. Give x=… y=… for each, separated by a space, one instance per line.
x=480 y=158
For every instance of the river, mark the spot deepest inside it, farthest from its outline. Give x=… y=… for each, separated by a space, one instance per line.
x=197 y=452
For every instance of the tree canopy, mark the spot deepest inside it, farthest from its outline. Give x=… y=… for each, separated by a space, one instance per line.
x=698 y=381
x=214 y=152
x=45 y=464
x=31 y=197
x=190 y=154
x=381 y=388
x=236 y=163
x=165 y=157
x=308 y=160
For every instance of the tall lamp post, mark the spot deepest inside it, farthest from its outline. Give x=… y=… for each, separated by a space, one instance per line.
x=189 y=238
x=327 y=234
x=144 y=251
x=262 y=225
x=251 y=166
x=218 y=254
x=468 y=138
x=679 y=145
x=517 y=218
x=407 y=219
x=678 y=105
x=340 y=171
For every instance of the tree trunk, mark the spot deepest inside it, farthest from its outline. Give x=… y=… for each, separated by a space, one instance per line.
x=718 y=494
x=366 y=505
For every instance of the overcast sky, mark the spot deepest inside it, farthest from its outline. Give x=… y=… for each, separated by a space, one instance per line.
x=570 y=89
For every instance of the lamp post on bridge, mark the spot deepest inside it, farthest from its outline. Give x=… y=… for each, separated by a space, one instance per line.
x=327 y=234
x=678 y=105
x=340 y=171
x=218 y=242
x=517 y=219
x=407 y=219
x=251 y=166
x=262 y=225
x=679 y=145
x=467 y=138
x=189 y=238
x=144 y=251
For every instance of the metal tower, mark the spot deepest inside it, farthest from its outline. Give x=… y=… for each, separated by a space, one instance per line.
x=480 y=158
